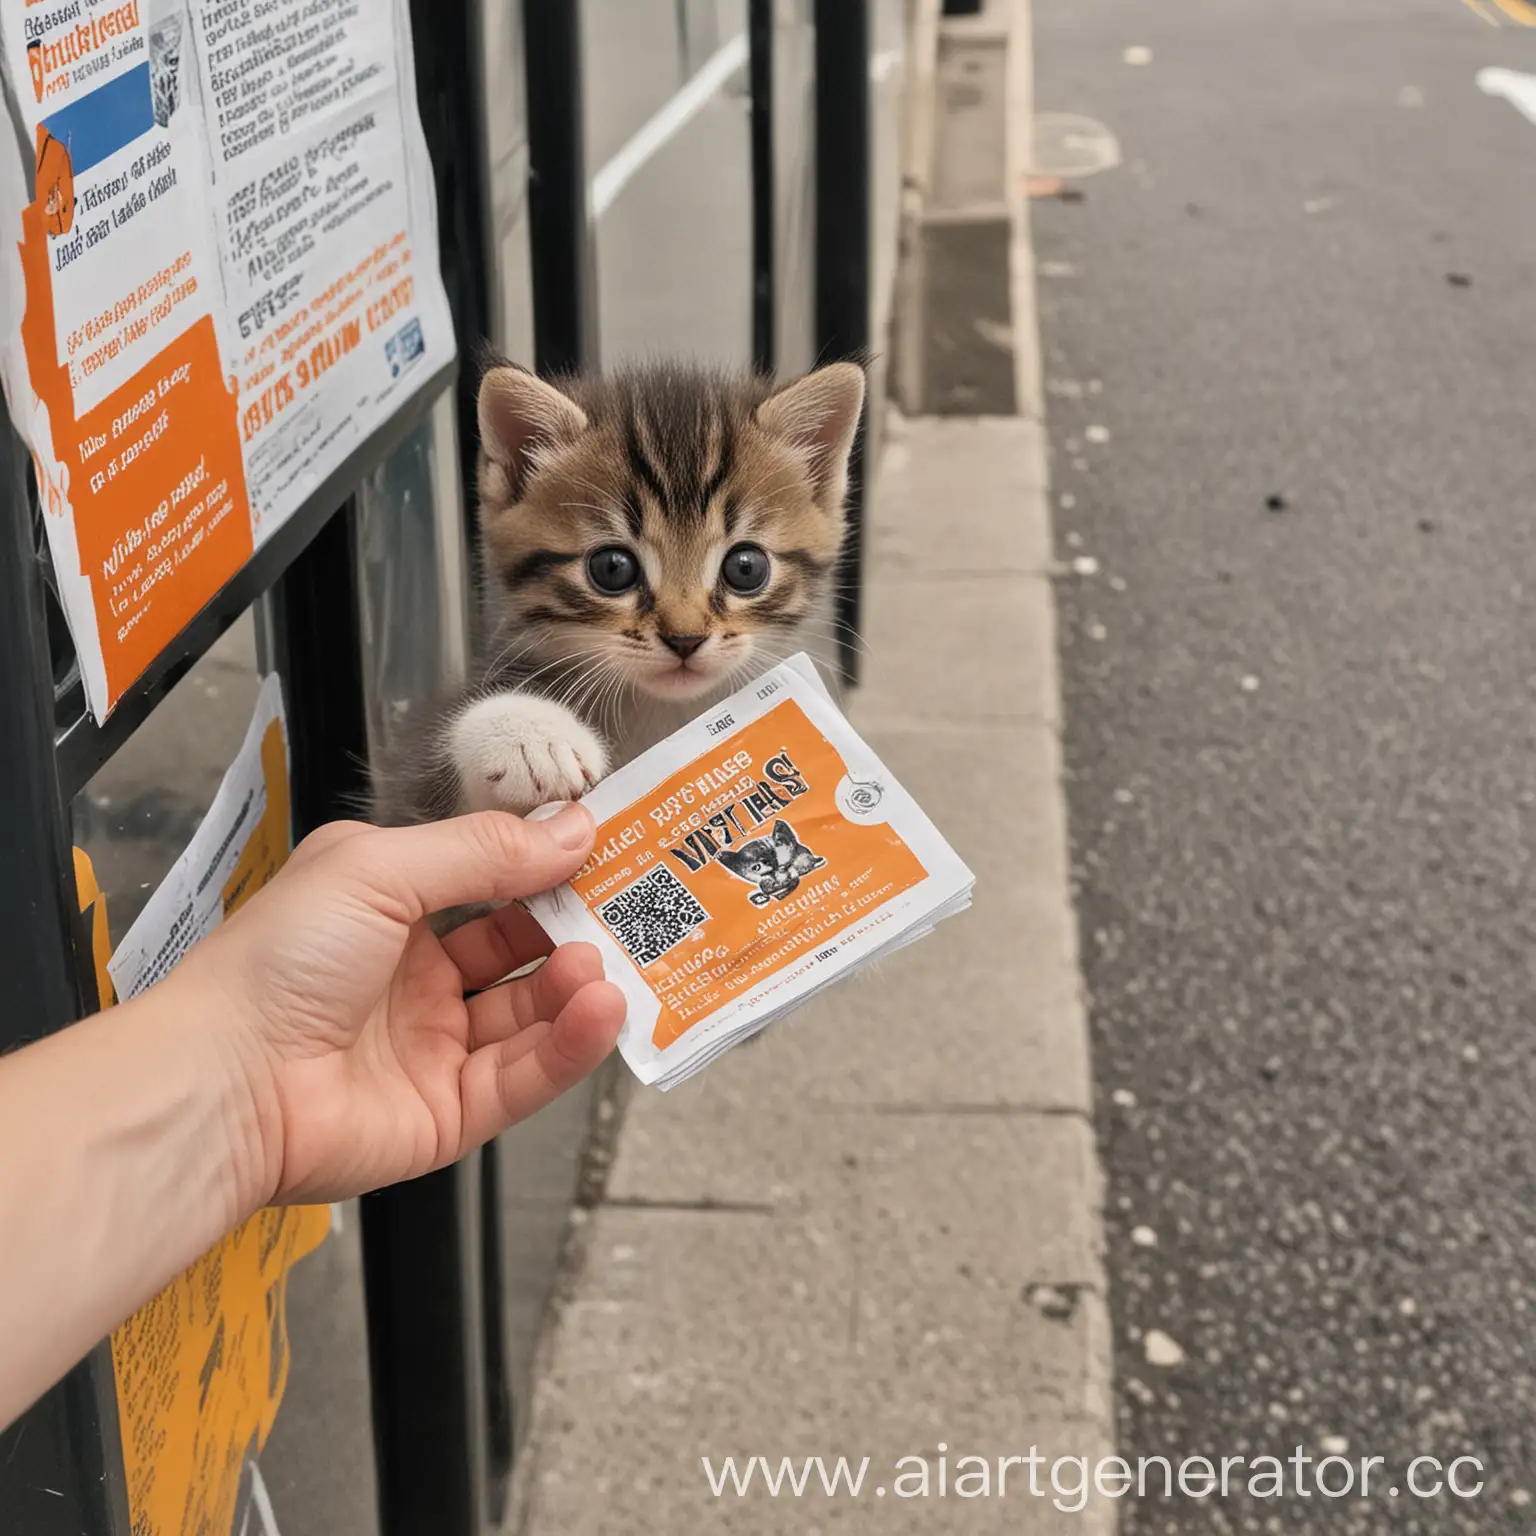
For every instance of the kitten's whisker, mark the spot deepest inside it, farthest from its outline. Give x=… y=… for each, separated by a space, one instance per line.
x=509 y=662
x=838 y=630
x=834 y=642
x=613 y=699
x=821 y=653
x=592 y=681
x=740 y=675
x=610 y=703
x=568 y=687
x=570 y=658
x=502 y=658
x=596 y=705
x=522 y=681
x=579 y=686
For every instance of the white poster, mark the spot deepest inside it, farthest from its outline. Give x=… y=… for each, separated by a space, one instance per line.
x=225 y=220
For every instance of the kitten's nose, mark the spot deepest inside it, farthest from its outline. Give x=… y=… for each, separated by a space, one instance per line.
x=683 y=645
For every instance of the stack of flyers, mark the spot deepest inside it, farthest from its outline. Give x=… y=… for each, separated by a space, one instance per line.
x=757 y=855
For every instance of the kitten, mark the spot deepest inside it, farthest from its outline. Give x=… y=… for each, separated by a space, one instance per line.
x=644 y=534
x=773 y=864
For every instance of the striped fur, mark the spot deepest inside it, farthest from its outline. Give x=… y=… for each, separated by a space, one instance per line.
x=677 y=465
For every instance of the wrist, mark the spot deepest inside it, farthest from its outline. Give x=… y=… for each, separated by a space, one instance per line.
x=231 y=1082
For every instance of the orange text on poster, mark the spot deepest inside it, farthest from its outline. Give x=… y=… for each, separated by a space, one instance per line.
x=153 y=475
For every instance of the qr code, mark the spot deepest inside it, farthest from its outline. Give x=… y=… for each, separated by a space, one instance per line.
x=654 y=914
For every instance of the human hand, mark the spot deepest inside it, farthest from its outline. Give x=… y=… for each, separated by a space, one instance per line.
x=360 y=1059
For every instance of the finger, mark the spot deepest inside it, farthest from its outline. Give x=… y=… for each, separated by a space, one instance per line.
x=505 y=1010
x=493 y=946
x=504 y=1083
x=486 y=856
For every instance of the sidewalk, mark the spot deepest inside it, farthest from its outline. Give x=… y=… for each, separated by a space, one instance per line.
x=876 y=1232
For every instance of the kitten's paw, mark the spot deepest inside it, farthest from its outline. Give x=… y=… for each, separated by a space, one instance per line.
x=514 y=751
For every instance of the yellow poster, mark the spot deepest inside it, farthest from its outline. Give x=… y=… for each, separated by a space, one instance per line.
x=200 y=1371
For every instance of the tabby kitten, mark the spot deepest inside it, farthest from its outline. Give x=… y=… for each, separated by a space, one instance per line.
x=645 y=533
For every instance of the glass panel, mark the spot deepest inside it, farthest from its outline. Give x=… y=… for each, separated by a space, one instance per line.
x=137 y=815
x=501 y=33
x=887 y=94
x=414 y=584
x=887 y=86
x=794 y=167
x=669 y=150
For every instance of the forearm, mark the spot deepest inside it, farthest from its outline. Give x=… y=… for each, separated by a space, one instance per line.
x=126 y=1147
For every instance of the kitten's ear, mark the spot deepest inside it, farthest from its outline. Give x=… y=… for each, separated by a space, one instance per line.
x=783 y=832
x=819 y=416
x=523 y=419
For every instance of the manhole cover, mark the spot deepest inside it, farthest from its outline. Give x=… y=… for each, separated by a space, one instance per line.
x=1069 y=145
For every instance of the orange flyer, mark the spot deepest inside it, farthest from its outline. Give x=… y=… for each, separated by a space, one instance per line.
x=221 y=227
x=752 y=858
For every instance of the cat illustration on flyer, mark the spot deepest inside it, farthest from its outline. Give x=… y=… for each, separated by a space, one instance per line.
x=774 y=864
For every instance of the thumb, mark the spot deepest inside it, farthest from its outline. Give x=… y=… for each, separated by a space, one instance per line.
x=485 y=856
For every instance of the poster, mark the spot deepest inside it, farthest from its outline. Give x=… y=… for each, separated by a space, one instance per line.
x=200 y=1371
x=220 y=220
x=241 y=843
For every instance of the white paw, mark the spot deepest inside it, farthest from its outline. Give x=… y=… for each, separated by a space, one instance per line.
x=515 y=751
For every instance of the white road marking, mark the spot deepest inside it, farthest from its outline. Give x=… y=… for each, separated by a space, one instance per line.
x=666 y=124
x=259 y=1508
x=1517 y=89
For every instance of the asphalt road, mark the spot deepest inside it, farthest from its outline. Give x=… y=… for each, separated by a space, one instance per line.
x=1301 y=704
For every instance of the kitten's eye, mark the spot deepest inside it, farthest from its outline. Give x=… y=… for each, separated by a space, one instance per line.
x=613 y=570
x=746 y=569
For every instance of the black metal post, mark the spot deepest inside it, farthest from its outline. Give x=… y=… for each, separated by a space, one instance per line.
x=61 y=1470
x=500 y=1410
x=842 y=255
x=426 y=1437
x=764 y=186
x=564 y=312
x=317 y=632
x=447 y=57
x=39 y=924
